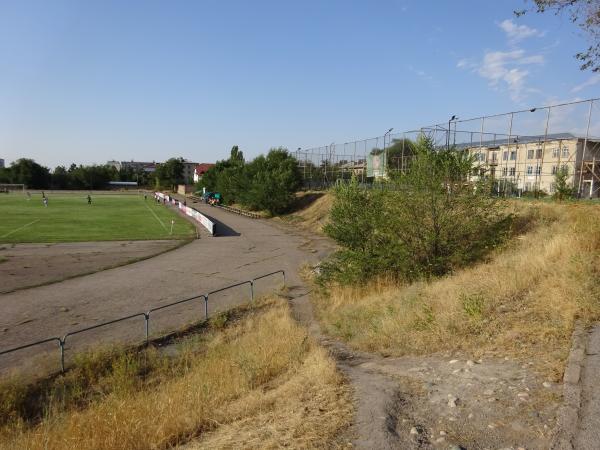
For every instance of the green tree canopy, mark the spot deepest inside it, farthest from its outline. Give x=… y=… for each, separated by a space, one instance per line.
x=26 y=171
x=169 y=173
x=270 y=182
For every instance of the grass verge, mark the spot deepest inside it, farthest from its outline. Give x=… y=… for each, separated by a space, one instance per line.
x=311 y=211
x=222 y=388
x=521 y=302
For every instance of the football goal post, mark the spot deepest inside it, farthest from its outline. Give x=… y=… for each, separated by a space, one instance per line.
x=6 y=188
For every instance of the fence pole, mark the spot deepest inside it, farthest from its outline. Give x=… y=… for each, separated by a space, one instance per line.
x=251 y=290
x=587 y=133
x=206 y=306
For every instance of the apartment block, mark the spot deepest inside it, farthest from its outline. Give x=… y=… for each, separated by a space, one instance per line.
x=530 y=163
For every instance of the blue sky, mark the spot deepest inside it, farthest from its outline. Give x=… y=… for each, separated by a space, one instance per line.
x=91 y=81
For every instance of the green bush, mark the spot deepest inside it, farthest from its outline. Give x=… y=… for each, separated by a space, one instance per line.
x=429 y=221
x=267 y=183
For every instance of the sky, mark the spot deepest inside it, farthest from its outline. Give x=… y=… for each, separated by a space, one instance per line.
x=91 y=81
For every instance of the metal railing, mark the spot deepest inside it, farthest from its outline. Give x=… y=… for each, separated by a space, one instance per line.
x=238 y=211
x=146 y=315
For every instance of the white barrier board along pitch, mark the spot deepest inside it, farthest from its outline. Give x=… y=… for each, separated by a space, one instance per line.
x=196 y=215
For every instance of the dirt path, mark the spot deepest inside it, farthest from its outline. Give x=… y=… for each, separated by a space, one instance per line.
x=588 y=429
x=438 y=401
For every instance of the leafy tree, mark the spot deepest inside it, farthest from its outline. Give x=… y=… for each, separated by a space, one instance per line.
x=225 y=176
x=396 y=151
x=563 y=188
x=270 y=183
x=585 y=13
x=266 y=183
x=356 y=223
x=91 y=177
x=428 y=221
x=60 y=178
x=236 y=157
x=5 y=175
x=169 y=173
x=28 y=172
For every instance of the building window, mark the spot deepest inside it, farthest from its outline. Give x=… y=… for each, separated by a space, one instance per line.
x=538 y=170
x=565 y=169
x=505 y=156
x=528 y=186
x=552 y=188
x=504 y=171
x=475 y=172
x=481 y=172
x=529 y=170
x=494 y=156
x=554 y=170
x=530 y=154
x=513 y=155
x=481 y=157
x=512 y=171
x=555 y=152
x=538 y=153
x=565 y=152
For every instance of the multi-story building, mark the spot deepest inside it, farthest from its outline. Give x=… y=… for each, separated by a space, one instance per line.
x=188 y=171
x=530 y=163
x=1 y=163
x=135 y=165
x=200 y=170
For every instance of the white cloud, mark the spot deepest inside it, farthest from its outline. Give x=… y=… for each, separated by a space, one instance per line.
x=515 y=32
x=507 y=68
x=466 y=63
x=421 y=73
x=594 y=79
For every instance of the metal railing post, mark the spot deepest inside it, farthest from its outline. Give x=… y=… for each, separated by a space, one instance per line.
x=206 y=306
x=61 y=345
x=251 y=290
x=283 y=273
x=147 y=324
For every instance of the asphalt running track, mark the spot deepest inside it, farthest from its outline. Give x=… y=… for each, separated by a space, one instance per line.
x=245 y=248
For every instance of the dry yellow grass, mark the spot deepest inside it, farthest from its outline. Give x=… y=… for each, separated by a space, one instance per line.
x=313 y=212
x=522 y=302
x=243 y=386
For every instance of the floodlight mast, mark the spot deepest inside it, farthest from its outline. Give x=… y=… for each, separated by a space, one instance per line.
x=385 y=158
x=453 y=118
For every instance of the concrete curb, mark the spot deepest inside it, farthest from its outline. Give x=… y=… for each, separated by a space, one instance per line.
x=568 y=413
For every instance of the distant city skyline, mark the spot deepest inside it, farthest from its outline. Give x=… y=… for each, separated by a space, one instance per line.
x=97 y=81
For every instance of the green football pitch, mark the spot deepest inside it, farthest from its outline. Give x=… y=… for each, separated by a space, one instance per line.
x=69 y=218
